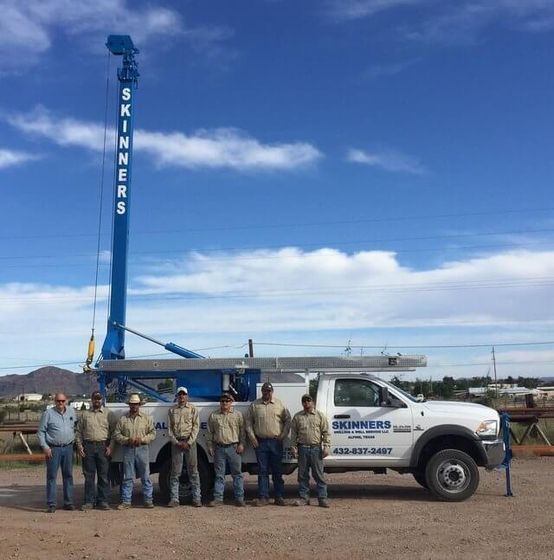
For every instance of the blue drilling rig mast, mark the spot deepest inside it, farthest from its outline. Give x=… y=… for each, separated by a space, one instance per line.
x=205 y=378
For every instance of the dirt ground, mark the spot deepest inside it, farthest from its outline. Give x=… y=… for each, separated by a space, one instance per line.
x=371 y=516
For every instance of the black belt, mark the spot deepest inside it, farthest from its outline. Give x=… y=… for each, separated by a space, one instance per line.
x=102 y=441
x=59 y=444
x=310 y=446
x=227 y=444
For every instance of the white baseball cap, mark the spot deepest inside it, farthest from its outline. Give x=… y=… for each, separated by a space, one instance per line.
x=182 y=390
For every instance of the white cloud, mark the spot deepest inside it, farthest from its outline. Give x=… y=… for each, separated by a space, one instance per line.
x=29 y=28
x=450 y=21
x=224 y=147
x=10 y=158
x=388 y=160
x=355 y=9
x=218 y=148
x=289 y=294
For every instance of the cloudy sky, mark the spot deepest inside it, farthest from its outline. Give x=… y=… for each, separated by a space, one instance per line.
x=316 y=175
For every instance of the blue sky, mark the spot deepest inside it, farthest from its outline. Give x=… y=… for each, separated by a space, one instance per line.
x=306 y=174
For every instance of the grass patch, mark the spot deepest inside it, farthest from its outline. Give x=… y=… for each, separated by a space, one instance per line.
x=9 y=465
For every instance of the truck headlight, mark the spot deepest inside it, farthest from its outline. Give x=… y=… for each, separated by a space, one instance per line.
x=487 y=428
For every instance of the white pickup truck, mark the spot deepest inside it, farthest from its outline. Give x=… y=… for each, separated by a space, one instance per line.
x=374 y=426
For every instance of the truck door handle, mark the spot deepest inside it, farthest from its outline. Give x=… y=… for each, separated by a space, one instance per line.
x=339 y=416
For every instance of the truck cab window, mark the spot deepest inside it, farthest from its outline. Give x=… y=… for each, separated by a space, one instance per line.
x=356 y=392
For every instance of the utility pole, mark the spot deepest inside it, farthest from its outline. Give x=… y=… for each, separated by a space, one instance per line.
x=494 y=367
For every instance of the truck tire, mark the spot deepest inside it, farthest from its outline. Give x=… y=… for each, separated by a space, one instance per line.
x=163 y=479
x=205 y=470
x=419 y=477
x=452 y=475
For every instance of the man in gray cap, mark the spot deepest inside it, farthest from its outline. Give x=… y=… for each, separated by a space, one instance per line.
x=183 y=429
x=310 y=439
x=267 y=425
x=93 y=437
x=134 y=431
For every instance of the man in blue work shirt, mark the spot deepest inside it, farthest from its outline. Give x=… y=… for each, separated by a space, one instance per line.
x=56 y=433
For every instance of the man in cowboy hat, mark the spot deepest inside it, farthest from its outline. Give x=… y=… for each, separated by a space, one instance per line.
x=134 y=431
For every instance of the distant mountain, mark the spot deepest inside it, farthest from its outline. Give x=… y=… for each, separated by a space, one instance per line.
x=53 y=380
x=547 y=381
x=48 y=380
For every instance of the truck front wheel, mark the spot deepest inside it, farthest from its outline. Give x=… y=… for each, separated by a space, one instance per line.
x=419 y=477
x=452 y=475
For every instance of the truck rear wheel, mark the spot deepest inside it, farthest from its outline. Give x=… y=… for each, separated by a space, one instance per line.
x=205 y=470
x=452 y=475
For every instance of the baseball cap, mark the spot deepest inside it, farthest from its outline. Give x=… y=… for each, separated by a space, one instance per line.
x=182 y=390
x=226 y=396
x=134 y=399
x=306 y=397
x=267 y=385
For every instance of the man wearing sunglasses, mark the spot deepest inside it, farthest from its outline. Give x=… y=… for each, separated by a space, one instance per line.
x=93 y=437
x=267 y=425
x=56 y=433
x=310 y=440
x=226 y=439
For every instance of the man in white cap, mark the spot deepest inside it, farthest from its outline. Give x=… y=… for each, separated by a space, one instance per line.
x=183 y=429
x=134 y=431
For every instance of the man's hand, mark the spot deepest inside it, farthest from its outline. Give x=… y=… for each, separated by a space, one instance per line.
x=255 y=443
x=324 y=452
x=210 y=451
x=108 y=451
x=240 y=449
x=48 y=453
x=294 y=452
x=81 y=451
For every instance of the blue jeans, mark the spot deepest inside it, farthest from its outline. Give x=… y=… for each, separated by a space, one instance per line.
x=311 y=457
x=269 y=455
x=96 y=464
x=136 y=463
x=191 y=462
x=61 y=457
x=227 y=455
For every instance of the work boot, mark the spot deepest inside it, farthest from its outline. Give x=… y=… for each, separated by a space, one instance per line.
x=301 y=502
x=240 y=503
x=69 y=507
x=173 y=504
x=148 y=505
x=196 y=503
x=279 y=502
x=324 y=504
x=103 y=506
x=215 y=503
x=123 y=505
x=261 y=502
x=51 y=509
x=86 y=507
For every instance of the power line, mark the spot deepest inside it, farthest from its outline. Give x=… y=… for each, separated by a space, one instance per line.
x=406 y=346
x=297 y=224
